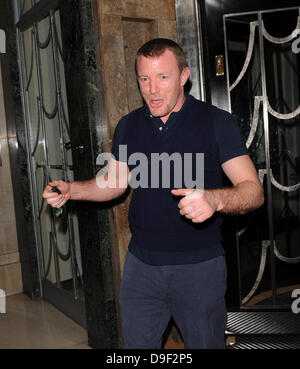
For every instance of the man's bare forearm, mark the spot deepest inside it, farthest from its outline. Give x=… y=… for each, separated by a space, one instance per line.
x=90 y=191
x=240 y=199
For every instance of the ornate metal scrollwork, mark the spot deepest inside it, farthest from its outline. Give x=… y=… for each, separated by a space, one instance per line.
x=280 y=40
x=253 y=25
x=264 y=173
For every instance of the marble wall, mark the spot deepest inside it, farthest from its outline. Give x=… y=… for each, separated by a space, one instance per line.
x=121 y=28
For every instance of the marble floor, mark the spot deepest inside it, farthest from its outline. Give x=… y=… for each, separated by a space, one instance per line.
x=29 y=324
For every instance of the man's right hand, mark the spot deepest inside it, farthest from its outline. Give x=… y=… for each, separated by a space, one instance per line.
x=53 y=198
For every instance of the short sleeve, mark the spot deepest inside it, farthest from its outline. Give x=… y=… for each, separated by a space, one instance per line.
x=228 y=136
x=119 y=139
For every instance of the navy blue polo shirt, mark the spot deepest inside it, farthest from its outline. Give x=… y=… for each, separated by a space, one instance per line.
x=160 y=235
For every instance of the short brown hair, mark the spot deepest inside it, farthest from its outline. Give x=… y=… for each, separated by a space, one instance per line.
x=156 y=47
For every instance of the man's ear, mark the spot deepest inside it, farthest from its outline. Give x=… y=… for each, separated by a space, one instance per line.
x=184 y=75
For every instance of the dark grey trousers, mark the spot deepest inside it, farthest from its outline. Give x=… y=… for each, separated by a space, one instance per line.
x=192 y=293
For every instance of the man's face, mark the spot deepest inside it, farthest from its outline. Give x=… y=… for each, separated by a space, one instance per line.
x=161 y=83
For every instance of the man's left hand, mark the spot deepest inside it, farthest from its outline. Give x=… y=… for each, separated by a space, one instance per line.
x=197 y=205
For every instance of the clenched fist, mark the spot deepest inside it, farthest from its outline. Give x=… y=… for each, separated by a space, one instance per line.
x=53 y=198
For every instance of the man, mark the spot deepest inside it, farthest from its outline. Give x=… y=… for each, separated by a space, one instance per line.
x=175 y=263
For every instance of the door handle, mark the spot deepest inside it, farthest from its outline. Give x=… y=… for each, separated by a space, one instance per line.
x=79 y=147
x=0 y=156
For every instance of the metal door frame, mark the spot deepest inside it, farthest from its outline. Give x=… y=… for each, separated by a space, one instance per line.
x=190 y=39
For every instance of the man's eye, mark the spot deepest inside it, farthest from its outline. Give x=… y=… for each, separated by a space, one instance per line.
x=164 y=77
x=143 y=79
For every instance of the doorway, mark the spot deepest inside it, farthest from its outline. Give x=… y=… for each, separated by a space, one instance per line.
x=263 y=93
x=48 y=141
x=252 y=71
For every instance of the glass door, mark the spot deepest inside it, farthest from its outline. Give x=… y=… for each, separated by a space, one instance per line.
x=263 y=84
x=41 y=61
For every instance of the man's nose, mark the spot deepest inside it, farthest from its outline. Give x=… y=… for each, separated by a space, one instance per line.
x=153 y=87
